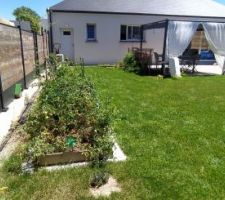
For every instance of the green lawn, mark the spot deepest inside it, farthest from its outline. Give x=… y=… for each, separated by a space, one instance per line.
x=173 y=132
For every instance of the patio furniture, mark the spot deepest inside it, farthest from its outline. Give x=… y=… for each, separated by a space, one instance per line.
x=144 y=57
x=179 y=33
x=190 y=60
x=158 y=60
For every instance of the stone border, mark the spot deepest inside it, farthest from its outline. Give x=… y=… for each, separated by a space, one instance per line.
x=118 y=156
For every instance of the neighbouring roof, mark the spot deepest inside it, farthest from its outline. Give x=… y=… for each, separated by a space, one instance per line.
x=25 y=25
x=201 y=8
x=5 y=21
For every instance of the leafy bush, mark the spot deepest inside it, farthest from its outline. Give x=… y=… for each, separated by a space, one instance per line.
x=98 y=179
x=132 y=64
x=129 y=63
x=68 y=106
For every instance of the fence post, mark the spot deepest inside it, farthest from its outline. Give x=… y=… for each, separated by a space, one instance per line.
x=164 y=46
x=43 y=43
x=47 y=43
x=22 y=56
x=3 y=108
x=36 y=53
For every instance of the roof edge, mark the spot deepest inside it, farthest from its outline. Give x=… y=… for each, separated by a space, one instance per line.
x=124 y=13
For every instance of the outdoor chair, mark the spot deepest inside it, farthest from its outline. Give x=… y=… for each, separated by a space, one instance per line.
x=189 y=60
x=157 y=60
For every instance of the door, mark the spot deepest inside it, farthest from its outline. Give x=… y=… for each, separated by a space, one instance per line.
x=67 y=43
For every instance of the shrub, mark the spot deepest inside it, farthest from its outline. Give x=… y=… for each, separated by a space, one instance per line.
x=129 y=63
x=98 y=179
x=68 y=106
x=132 y=64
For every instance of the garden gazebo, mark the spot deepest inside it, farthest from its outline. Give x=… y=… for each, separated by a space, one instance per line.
x=178 y=35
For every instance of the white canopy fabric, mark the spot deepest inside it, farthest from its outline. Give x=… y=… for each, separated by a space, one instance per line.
x=215 y=35
x=180 y=34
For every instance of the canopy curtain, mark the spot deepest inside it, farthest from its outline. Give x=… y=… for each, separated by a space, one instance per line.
x=179 y=36
x=215 y=35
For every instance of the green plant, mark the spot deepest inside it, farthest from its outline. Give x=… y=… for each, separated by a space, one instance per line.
x=70 y=62
x=26 y=14
x=52 y=64
x=135 y=63
x=130 y=64
x=68 y=105
x=98 y=179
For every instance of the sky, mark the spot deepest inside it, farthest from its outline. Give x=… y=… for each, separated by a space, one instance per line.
x=221 y=1
x=8 y=6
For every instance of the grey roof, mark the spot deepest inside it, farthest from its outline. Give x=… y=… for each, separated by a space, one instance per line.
x=208 y=8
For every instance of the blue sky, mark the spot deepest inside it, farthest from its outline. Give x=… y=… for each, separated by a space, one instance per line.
x=7 y=6
x=40 y=6
x=221 y=1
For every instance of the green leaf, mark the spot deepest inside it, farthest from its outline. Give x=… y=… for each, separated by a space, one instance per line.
x=71 y=141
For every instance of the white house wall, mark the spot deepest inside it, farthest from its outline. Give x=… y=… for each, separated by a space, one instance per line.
x=108 y=48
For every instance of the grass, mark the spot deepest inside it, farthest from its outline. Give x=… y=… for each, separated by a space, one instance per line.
x=173 y=132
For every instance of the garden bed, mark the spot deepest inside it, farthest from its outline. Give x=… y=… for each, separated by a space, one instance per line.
x=62 y=158
x=67 y=160
x=68 y=123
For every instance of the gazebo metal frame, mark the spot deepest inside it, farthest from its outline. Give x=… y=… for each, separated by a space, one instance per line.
x=164 y=24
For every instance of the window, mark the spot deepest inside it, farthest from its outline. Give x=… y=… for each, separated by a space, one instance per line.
x=91 y=32
x=123 y=33
x=66 y=32
x=130 y=33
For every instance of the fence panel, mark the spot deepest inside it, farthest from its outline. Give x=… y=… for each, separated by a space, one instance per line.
x=13 y=47
x=41 y=49
x=10 y=56
x=29 y=55
x=11 y=68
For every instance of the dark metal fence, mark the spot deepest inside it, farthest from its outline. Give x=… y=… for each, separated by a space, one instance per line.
x=21 y=52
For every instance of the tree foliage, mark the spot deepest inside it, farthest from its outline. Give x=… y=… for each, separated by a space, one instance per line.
x=27 y=14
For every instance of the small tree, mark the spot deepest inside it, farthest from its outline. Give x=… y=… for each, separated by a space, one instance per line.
x=27 y=14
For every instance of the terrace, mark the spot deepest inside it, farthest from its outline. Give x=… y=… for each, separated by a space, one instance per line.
x=180 y=51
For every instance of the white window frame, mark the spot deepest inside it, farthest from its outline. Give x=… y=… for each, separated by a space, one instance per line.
x=130 y=40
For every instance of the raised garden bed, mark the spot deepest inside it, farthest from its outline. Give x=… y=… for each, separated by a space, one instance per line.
x=57 y=161
x=61 y=158
x=68 y=120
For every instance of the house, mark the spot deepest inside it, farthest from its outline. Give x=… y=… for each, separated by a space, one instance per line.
x=101 y=31
x=25 y=25
x=6 y=22
x=45 y=24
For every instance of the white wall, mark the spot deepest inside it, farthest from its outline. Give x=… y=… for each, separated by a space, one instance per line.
x=108 y=48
